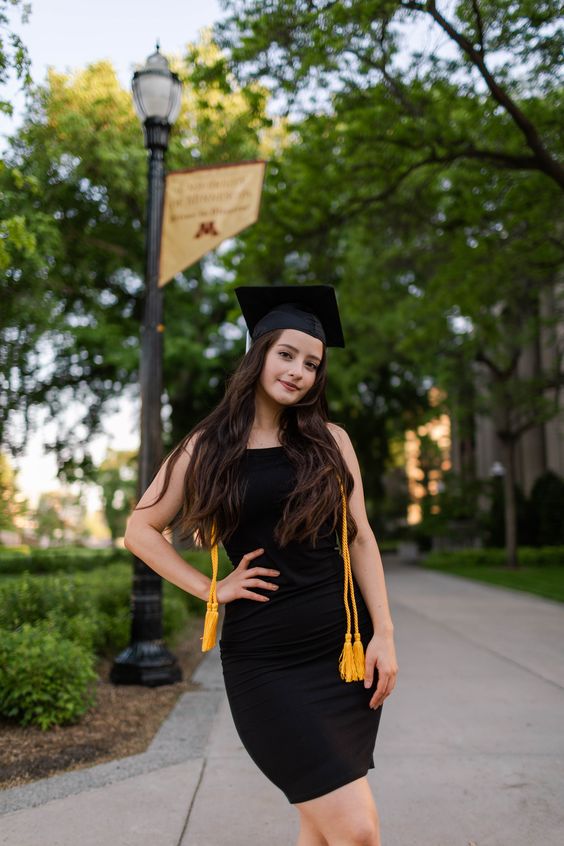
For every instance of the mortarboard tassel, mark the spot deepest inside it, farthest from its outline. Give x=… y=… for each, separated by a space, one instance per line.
x=212 y=613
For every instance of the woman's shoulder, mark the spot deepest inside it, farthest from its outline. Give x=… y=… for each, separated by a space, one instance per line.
x=339 y=434
x=190 y=441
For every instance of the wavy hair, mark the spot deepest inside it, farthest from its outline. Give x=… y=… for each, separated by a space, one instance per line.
x=213 y=487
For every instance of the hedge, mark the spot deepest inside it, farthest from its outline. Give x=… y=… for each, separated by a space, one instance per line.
x=529 y=556
x=52 y=627
x=15 y=560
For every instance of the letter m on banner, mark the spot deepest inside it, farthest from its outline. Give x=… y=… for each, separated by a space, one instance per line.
x=204 y=206
x=206 y=229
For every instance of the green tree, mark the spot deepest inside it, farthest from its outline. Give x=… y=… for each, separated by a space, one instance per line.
x=14 y=57
x=117 y=476
x=308 y=46
x=12 y=504
x=428 y=187
x=59 y=517
x=82 y=163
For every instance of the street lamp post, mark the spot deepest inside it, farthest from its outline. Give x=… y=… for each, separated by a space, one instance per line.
x=157 y=98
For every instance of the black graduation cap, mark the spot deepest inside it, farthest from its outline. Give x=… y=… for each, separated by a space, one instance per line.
x=309 y=308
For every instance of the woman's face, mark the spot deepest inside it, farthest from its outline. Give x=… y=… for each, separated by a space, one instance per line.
x=290 y=367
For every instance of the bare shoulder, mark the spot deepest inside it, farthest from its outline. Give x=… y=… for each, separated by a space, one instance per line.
x=188 y=447
x=340 y=435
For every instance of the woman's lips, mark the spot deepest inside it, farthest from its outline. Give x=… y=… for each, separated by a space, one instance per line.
x=288 y=386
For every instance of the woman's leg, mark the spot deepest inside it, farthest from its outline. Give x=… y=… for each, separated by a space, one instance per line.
x=309 y=834
x=344 y=817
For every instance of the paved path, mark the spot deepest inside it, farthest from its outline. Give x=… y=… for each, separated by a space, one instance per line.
x=470 y=748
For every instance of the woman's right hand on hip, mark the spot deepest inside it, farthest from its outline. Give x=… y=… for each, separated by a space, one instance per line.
x=239 y=583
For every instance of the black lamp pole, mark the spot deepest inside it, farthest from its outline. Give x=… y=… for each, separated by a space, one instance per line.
x=146 y=660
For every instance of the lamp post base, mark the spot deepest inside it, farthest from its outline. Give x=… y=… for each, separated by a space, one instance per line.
x=146 y=662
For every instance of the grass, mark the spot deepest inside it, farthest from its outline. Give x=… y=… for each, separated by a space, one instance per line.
x=546 y=580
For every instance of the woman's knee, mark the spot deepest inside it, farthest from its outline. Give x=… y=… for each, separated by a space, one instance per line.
x=358 y=833
x=346 y=817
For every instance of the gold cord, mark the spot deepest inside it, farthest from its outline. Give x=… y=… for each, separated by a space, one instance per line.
x=212 y=612
x=351 y=662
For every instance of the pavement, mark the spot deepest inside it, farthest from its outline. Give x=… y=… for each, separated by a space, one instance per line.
x=470 y=750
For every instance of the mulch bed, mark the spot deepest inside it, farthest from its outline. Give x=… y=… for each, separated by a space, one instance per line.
x=123 y=722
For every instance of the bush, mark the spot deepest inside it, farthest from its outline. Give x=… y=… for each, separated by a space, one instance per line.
x=52 y=626
x=493 y=557
x=45 y=679
x=59 y=559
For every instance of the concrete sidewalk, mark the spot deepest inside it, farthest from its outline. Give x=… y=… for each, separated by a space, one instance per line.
x=470 y=748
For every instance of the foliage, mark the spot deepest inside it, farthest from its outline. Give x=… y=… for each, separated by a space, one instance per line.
x=59 y=517
x=431 y=178
x=92 y=609
x=492 y=557
x=12 y=504
x=45 y=679
x=422 y=184
x=308 y=48
x=116 y=475
x=81 y=161
x=58 y=559
x=53 y=626
x=14 y=56
x=456 y=504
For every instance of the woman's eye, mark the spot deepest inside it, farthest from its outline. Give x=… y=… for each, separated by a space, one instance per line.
x=312 y=365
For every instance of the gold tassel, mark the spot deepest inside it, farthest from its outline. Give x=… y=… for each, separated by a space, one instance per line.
x=351 y=662
x=347 y=667
x=210 y=627
x=212 y=614
x=358 y=653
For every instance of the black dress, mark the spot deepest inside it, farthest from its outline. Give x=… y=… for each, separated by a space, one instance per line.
x=309 y=731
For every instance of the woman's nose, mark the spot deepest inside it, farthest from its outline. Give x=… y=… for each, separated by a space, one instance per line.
x=295 y=369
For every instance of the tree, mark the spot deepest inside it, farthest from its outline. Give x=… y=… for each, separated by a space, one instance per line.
x=70 y=332
x=116 y=475
x=60 y=517
x=436 y=177
x=14 y=57
x=310 y=45
x=12 y=504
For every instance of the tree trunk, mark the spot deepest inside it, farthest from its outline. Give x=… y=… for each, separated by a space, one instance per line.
x=510 y=507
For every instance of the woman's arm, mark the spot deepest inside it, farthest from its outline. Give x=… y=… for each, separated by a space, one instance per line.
x=144 y=532
x=365 y=556
x=367 y=567
x=144 y=537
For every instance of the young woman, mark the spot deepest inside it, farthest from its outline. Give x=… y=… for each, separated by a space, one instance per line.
x=270 y=477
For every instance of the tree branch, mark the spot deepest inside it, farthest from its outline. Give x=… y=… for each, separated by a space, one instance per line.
x=547 y=163
x=479 y=25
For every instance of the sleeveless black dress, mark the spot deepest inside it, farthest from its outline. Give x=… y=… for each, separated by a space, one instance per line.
x=309 y=731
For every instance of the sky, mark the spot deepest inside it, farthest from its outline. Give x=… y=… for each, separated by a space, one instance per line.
x=69 y=34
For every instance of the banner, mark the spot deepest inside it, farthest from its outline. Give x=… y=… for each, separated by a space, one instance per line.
x=204 y=206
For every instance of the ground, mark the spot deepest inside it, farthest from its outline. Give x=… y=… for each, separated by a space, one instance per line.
x=123 y=722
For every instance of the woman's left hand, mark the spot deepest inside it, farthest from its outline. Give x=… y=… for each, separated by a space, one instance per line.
x=380 y=653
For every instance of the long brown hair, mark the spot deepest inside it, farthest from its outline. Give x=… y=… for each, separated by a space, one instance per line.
x=213 y=489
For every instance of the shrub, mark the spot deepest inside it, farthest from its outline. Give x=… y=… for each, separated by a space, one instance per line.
x=493 y=557
x=29 y=599
x=45 y=679
x=59 y=559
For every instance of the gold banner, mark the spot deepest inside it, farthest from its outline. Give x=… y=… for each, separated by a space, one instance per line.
x=203 y=207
